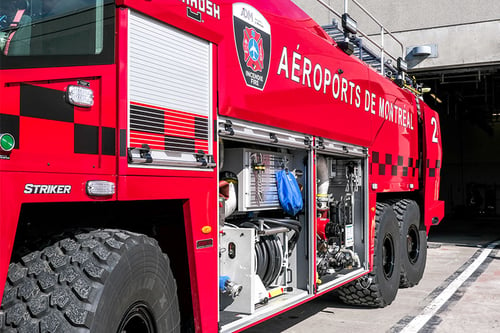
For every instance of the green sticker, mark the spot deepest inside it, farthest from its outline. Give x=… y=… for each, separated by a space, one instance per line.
x=7 y=142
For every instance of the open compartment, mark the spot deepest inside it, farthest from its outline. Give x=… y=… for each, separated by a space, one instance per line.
x=263 y=262
x=341 y=227
x=279 y=246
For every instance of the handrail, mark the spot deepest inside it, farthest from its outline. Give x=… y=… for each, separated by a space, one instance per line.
x=379 y=24
x=327 y=6
x=381 y=47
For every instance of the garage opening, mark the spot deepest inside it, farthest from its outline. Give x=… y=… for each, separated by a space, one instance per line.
x=468 y=102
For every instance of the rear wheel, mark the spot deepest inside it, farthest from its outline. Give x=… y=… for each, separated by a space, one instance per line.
x=102 y=281
x=414 y=242
x=386 y=265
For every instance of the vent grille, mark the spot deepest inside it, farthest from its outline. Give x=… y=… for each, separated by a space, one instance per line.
x=168 y=129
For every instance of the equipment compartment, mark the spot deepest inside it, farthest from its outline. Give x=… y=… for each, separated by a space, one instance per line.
x=340 y=217
x=274 y=251
x=263 y=262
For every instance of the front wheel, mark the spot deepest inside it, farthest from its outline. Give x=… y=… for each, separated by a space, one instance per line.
x=100 y=282
x=386 y=265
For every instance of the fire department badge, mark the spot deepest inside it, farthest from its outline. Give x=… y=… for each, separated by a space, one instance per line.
x=252 y=34
x=252 y=47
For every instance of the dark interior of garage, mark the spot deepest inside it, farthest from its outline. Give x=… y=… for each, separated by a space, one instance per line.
x=468 y=102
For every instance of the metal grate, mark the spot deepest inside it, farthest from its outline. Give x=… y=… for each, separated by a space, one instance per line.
x=263 y=190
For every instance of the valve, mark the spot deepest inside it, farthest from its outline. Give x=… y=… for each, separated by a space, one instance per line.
x=227 y=286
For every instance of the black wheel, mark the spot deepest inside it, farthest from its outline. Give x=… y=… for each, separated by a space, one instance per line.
x=105 y=281
x=414 y=242
x=386 y=265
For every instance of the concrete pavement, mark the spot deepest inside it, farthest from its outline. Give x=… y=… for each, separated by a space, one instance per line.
x=453 y=248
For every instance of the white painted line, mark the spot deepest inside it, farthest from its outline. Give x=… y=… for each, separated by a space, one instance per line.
x=430 y=310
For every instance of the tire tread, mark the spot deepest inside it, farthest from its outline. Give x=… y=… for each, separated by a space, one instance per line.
x=52 y=290
x=354 y=293
x=400 y=207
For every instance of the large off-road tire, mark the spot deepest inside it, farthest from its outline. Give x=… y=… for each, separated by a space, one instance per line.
x=105 y=281
x=386 y=265
x=413 y=241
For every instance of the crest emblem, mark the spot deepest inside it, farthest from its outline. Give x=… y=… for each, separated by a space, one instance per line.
x=254 y=52
x=252 y=35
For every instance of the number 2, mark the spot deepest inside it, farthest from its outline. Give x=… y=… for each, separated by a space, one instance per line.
x=434 y=134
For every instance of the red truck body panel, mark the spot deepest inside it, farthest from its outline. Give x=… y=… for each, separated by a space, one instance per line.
x=312 y=87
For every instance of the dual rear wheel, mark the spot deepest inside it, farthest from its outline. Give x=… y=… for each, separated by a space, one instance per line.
x=399 y=257
x=414 y=242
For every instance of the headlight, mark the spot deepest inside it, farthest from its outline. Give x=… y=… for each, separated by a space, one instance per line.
x=80 y=96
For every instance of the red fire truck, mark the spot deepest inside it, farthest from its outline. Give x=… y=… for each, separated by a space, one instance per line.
x=201 y=165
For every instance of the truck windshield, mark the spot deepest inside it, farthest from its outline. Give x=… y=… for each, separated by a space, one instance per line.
x=48 y=33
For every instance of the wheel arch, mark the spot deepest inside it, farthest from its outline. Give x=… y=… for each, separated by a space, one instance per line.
x=42 y=224
x=414 y=196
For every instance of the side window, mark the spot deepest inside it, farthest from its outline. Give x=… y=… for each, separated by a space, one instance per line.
x=15 y=27
x=66 y=27
x=47 y=28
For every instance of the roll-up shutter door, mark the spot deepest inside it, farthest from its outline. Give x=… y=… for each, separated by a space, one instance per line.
x=170 y=94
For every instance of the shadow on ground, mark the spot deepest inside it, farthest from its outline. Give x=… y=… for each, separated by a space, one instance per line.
x=470 y=232
x=474 y=231
x=326 y=303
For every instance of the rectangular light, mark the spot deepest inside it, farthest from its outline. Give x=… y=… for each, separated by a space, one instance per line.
x=100 y=188
x=402 y=65
x=349 y=24
x=80 y=96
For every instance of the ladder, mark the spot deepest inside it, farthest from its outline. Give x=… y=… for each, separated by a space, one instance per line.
x=366 y=49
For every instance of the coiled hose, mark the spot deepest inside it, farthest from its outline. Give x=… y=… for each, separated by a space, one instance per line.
x=268 y=251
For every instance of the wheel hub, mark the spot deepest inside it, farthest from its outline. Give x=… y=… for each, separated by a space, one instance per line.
x=388 y=256
x=137 y=319
x=413 y=244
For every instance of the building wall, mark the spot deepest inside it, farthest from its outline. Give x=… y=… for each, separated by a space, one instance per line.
x=465 y=32
x=464 y=75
